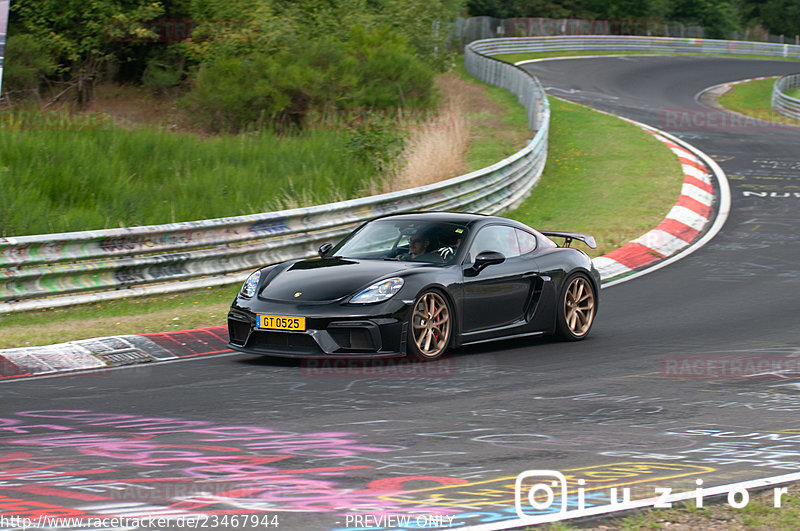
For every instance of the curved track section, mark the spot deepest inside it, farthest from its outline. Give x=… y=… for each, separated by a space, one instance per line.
x=690 y=373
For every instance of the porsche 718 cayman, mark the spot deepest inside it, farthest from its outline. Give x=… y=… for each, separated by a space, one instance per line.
x=418 y=284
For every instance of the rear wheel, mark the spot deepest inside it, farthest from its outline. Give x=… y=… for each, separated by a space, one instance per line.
x=576 y=308
x=430 y=326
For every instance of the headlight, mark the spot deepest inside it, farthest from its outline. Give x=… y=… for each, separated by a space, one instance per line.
x=251 y=285
x=379 y=292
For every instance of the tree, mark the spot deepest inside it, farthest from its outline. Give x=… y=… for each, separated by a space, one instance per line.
x=719 y=18
x=85 y=35
x=781 y=17
x=282 y=59
x=27 y=64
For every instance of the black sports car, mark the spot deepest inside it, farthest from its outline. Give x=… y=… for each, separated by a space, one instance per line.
x=417 y=284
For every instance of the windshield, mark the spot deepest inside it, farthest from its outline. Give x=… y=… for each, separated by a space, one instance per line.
x=434 y=243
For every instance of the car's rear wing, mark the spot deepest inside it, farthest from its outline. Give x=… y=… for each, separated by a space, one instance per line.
x=569 y=236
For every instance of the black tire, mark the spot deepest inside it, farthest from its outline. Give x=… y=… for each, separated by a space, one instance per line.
x=576 y=308
x=430 y=326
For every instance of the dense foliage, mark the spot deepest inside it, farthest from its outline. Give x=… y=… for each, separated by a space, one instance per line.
x=242 y=62
x=245 y=63
x=75 y=39
x=366 y=69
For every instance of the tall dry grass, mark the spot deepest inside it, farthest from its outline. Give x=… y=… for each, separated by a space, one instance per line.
x=435 y=149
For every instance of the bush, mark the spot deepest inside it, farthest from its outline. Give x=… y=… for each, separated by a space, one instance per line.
x=163 y=71
x=27 y=62
x=371 y=69
x=377 y=145
x=389 y=74
x=232 y=93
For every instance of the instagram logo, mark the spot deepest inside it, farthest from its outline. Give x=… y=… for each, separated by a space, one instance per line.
x=541 y=488
x=542 y=496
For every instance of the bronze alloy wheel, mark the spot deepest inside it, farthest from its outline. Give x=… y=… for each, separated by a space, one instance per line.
x=430 y=326
x=579 y=306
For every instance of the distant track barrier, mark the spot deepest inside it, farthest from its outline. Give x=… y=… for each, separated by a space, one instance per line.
x=655 y=45
x=72 y=268
x=782 y=102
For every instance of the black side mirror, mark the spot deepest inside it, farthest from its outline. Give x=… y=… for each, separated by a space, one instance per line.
x=487 y=258
x=324 y=248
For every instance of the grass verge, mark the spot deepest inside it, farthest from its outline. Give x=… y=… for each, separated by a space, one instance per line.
x=180 y=311
x=498 y=124
x=603 y=176
x=63 y=174
x=752 y=98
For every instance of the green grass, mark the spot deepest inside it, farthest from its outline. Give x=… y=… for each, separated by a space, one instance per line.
x=487 y=149
x=603 y=176
x=794 y=93
x=759 y=514
x=62 y=174
x=752 y=98
x=159 y=313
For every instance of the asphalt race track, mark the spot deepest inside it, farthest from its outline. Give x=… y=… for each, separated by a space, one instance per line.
x=691 y=373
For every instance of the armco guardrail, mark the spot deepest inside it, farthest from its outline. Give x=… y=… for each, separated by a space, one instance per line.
x=33 y=267
x=782 y=102
x=657 y=45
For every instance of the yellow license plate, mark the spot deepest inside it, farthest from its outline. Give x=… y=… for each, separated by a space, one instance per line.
x=277 y=322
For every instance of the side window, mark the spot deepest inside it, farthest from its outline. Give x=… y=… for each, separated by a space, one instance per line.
x=527 y=241
x=498 y=238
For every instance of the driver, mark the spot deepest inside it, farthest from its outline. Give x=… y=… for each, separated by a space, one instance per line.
x=418 y=249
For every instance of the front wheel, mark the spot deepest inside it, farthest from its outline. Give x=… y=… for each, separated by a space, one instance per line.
x=576 y=308
x=430 y=326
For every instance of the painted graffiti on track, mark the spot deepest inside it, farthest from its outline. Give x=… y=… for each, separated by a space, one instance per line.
x=85 y=463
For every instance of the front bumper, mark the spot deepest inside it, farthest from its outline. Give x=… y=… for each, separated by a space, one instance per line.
x=332 y=330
